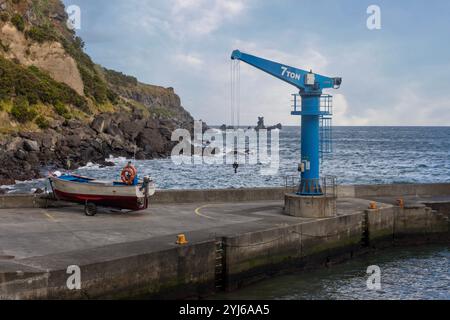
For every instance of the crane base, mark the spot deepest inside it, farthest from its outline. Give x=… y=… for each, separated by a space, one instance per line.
x=309 y=206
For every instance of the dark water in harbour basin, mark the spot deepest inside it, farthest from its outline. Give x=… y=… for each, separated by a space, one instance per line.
x=419 y=273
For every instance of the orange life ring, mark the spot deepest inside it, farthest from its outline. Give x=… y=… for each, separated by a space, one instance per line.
x=128 y=174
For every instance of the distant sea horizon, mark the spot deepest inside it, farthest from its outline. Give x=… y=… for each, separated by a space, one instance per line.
x=375 y=126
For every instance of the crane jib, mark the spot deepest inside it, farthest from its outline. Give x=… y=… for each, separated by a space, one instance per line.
x=292 y=75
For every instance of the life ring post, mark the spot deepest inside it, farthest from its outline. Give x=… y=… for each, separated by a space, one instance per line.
x=128 y=174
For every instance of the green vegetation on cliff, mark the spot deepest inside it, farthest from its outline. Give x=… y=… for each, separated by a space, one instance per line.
x=119 y=79
x=22 y=111
x=28 y=86
x=42 y=33
x=31 y=97
x=36 y=19
x=18 y=21
x=35 y=86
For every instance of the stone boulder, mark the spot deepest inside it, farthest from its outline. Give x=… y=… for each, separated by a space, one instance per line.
x=151 y=141
x=132 y=128
x=101 y=123
x=31 y=145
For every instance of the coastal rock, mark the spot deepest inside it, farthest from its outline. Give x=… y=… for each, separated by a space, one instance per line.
x=74 y=124
x=104 y=164
x=33 y=159
x=131 y=129
x=31 y=145
x=90 y=154
x=101 y=123
x=262 y=126
x=20 y=154
x=73 y=141
x=113 y=130
x=151 y=124
x=151 y=140
x=276 y=127
x=49 y=141
x=166 y=132
x=55 y=125
x=7 y=182
x=38 y=191
x=138 y=114
x=14 y=144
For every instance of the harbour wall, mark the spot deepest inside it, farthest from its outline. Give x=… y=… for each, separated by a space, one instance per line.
x=121 y=271
x=321 y=243
x=143 y=270
x=240 y=195
x=154 y=269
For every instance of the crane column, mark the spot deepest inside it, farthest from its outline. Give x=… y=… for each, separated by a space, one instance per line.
x=310 y=126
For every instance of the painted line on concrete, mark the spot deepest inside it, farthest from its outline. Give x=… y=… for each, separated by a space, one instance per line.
x=50 y=217
x=197 y=212
x=200 y=214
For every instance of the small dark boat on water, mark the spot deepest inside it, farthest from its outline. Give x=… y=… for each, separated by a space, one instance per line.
x=129 y=194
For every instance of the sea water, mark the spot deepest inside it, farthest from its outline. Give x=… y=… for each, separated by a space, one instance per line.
x=416 y=273
x=361 y=155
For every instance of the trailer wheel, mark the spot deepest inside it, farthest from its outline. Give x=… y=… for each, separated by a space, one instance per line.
x=90 y=209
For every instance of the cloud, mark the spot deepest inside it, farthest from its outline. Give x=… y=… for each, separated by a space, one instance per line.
x=411 y=106
x=197 y=18
x=189 y=60
x=179 y=20
x=341 y=114
x=186 y=44
x=179 y=5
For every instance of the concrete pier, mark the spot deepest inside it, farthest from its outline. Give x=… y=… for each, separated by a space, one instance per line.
x=235 y=237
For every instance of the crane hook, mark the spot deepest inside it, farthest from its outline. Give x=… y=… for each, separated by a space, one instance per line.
x=235 y=167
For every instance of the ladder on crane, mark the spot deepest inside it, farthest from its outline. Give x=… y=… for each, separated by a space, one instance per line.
x=325 y=122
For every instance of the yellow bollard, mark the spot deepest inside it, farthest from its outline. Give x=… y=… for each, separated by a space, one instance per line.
x=373 y=205
x=182 y=240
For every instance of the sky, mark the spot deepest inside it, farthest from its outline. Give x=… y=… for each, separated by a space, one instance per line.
x=396 y=75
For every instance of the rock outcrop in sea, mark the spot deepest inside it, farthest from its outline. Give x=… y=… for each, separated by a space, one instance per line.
x=262 y=126
x=259 y=126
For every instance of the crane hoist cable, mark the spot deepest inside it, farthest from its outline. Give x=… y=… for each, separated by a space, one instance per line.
x=238 y=94
x=232 y=92
x=235 y=105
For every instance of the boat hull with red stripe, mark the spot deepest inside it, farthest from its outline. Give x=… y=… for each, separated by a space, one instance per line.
x=102 y=193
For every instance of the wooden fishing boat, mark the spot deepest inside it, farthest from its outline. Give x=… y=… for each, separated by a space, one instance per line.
x=133 y=195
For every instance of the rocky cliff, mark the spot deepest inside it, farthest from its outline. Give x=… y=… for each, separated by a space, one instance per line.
x=58 y=108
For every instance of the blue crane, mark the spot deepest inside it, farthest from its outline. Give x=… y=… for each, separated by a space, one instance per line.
x=314 y=109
